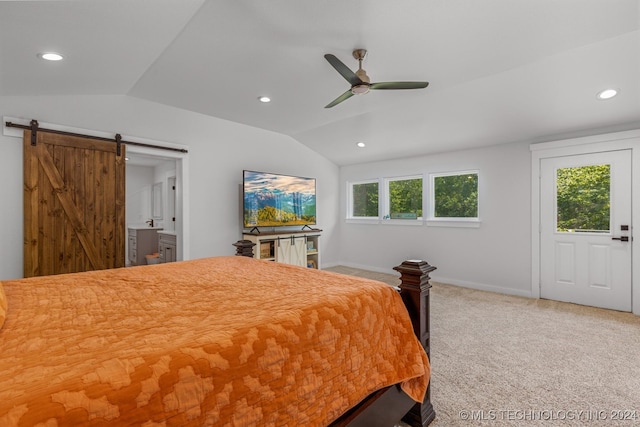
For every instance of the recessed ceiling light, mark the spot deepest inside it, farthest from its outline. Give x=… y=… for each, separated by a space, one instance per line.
x=50 y=56
x=361 y=144
x=607 y=94
x=264 y=99
x=126 y=159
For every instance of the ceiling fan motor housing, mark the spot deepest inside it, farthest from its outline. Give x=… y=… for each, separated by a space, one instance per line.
x=360 y=89
x=362 y=74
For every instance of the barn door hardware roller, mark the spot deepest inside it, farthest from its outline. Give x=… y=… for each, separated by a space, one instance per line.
x=34 y=132
x=118 y=144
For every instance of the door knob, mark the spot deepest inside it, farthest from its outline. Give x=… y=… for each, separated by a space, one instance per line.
x=621 y=238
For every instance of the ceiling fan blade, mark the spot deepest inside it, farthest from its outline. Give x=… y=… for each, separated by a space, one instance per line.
x=344 y=71
x=348 y=94
x=399 y=85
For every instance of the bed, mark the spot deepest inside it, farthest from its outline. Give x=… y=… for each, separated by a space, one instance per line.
x=216 y=341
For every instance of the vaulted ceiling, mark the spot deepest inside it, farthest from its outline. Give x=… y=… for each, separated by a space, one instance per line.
x=500 y=71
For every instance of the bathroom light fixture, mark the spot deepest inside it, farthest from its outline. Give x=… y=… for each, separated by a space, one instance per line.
x=361 y=144
x=264 y=99
x=607 y=94
x=50 y=56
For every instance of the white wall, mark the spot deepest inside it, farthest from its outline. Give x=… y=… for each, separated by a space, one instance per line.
x=218 y=152
x=496 y=256
x=138 y=188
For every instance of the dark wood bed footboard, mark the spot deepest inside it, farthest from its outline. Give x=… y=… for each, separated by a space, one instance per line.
x=390 y=405
x=414 y=288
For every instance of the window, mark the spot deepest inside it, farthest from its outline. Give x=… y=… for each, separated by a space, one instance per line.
x=364 y=200
x=404 y=198
x=454 y=195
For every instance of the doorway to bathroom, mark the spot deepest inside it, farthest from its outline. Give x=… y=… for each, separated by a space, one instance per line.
x=156 y=194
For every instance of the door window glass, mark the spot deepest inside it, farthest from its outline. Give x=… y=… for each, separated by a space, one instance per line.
x=582 y=199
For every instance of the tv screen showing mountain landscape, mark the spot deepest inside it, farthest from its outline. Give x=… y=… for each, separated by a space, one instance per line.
x=273 y=200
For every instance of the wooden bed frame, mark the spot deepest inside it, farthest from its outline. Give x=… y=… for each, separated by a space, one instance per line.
x=390 y=405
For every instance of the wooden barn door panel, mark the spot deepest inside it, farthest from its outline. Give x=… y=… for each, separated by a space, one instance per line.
x=74 y=205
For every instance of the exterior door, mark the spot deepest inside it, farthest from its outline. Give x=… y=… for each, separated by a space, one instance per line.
x=74 y=205
x=585 y=229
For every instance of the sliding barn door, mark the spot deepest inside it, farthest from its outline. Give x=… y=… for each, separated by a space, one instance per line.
x=74 y=205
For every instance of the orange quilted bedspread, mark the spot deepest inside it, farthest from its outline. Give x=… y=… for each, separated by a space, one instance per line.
x=217 y=341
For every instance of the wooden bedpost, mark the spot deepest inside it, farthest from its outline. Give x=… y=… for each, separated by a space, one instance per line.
x=414 y=289
x=244 y=248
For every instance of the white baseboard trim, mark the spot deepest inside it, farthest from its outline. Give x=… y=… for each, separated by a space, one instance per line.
x=369 y=267
x=329 y=265
x=482 y=286
x=445 y=280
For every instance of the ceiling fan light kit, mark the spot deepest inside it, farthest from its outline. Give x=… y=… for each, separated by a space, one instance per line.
x=360 y=82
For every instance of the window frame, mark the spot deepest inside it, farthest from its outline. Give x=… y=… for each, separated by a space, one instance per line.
x=472 y=222
x=350 y=201
x=386 y=201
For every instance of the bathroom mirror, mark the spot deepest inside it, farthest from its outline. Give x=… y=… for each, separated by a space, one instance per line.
x=156 y=201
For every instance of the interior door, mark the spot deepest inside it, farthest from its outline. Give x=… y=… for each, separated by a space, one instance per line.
x=74 y=205
x=585 y=229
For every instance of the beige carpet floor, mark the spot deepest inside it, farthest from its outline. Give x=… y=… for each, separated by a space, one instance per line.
x=500 y=360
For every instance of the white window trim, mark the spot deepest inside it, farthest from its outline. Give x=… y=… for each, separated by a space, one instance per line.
x=432 y=220
x=454 y=222
x=386 y=203
x=350 y=218
x=409 y=222
x=363 y=220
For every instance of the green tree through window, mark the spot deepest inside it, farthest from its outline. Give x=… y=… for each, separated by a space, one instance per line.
x=582 y=198
x=405 y=198
x=456 y=196
x=365 y=199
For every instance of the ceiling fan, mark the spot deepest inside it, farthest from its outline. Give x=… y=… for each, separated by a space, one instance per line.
x=359 y=81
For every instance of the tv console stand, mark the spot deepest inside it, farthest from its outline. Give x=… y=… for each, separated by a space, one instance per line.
x=289 y=247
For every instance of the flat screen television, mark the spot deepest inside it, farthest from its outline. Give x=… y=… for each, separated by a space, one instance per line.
x=274 y=200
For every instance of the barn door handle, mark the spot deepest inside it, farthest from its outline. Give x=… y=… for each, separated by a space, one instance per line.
x=621 y=238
